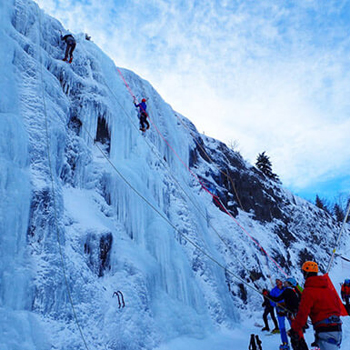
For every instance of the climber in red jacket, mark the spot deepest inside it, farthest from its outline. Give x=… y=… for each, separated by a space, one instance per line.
x=321 y=302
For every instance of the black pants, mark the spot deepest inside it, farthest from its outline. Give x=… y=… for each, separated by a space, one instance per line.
x=299 y=344
x=272 y=314
x=69 y=49
x=143 y=121
x=347 y=304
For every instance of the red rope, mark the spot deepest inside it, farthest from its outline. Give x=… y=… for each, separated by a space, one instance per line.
x=126 y=84
x=215 y=198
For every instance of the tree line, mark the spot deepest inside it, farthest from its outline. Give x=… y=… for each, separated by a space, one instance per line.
x=337 y=208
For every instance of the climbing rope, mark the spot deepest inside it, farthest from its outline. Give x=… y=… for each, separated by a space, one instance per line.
x=63 y=265
x=203 y=186
x=170 y=173
x=165 y=218
x=143 y=198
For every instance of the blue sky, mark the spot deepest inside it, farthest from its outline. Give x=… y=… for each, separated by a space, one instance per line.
x=266 y=75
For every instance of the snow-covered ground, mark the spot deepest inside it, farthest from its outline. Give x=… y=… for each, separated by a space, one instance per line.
x=240 y=337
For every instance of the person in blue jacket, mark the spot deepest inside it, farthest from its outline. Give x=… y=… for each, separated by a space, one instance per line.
x=144 y=125
x=281 y=313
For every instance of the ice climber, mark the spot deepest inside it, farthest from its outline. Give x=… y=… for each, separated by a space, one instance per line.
x=142 y=114
x=281 y=313
x=268 y=310
x=321 y=302
x=345 y=294
x=71 y=43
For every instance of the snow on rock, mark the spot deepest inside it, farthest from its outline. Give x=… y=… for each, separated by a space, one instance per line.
x=90 y=206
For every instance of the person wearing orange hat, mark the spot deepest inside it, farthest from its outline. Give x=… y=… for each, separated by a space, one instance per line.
x=320 y=302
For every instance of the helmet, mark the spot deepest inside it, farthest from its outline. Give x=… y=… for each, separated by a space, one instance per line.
x=292 y=281
x=143 y=100
x=310 y=266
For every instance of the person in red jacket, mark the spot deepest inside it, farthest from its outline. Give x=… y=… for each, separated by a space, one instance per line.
x=320 y=301
x=345 y=294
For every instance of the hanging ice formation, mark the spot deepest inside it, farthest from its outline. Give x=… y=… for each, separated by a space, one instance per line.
x=86 y=203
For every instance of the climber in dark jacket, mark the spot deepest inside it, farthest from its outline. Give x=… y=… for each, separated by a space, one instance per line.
x=71 y=43
x=290 y=302
x=345 y=294
x=269 y=309
x=290 y=298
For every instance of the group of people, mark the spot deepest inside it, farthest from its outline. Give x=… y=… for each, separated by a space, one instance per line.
x=70 y=41
x=319 y=301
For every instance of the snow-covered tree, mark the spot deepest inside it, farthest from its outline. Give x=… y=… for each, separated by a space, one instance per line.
x=264 y=164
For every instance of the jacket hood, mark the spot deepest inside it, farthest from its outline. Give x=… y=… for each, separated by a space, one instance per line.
x=317 y=282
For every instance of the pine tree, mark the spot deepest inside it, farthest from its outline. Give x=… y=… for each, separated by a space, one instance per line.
x=264 y=164
x=338 y=212
x=319 y=203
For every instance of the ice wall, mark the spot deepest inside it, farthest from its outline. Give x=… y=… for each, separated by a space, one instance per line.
x=15 y=267
x=90 y=206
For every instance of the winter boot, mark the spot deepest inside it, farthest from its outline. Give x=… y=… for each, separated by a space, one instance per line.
x=284 y=346
x=266 y=329
x=275 y=331
x=70 y=60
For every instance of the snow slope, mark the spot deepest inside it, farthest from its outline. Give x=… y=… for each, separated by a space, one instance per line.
x=90 y=206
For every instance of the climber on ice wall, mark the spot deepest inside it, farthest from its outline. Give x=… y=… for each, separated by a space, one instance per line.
x=71 y=43
x=142 y=114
